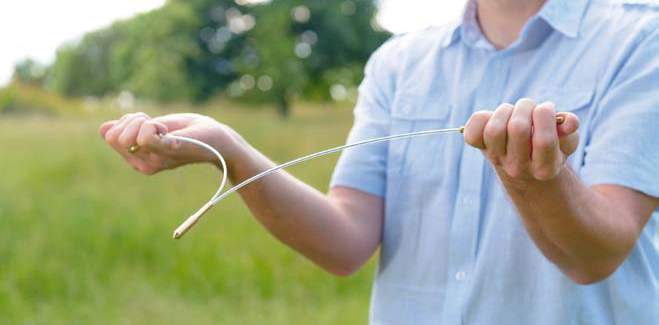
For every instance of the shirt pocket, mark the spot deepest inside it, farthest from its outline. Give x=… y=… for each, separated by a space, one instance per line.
x=413 y=112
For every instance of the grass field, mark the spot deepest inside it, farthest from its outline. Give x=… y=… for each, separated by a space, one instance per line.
x=85 y=239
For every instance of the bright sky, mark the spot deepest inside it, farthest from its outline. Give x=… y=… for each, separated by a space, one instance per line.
x=36 y=28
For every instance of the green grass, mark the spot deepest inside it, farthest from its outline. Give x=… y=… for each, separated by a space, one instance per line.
x=85 y=239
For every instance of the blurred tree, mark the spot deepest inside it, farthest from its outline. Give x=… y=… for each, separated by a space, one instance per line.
x=192 y=49
x=31 y=72
x=151 y=58
x=147 y=55
x=343 y=36
x=270 y=68
x=84 y=68
x=307 y=47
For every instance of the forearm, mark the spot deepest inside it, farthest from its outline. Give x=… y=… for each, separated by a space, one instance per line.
x=581 y=231
x=587 y=231
x=300 y=216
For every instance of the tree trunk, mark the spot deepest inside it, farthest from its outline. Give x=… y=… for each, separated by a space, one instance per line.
x=283 y=105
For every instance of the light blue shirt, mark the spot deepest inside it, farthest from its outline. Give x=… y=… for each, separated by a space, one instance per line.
x=454 y=250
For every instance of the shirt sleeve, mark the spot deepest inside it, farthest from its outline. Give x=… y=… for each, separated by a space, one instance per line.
x=364 y=167
x=624 y=141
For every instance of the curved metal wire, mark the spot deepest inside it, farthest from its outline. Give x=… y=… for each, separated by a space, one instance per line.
x=219 y=195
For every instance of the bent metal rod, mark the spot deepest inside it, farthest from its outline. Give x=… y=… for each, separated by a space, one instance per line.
x=219 y=195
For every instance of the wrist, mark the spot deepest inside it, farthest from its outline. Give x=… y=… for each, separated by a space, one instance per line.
x=227 y=142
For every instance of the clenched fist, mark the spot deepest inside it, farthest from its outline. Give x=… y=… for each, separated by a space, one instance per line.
x=524 y=142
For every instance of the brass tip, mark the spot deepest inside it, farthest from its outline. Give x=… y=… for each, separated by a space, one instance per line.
x=560 y=119
x=191 y=221
x=462 y=129
x=134 y=148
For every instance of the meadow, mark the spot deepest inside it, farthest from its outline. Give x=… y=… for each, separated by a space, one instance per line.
x=84 y=239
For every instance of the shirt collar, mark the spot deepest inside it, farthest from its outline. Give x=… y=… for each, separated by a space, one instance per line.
x=564 y=16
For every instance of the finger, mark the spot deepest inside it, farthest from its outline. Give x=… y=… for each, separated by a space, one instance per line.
x=545 y=141
x=570 y=124
x=116 y=129
x=518 y=149
x=105 y=127
x=149 y=132
x=112 y=135
x=568 y=135
x=128 y=136
x=473 y=132
x=495 y=133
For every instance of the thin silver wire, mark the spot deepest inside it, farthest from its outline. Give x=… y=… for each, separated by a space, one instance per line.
x=219 y=195
x=206 y=146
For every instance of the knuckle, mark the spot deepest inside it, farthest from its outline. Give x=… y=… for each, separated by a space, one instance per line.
x=493 y=130
x=482 y=115
x=519 y=127
x=149 y=123
x=545 y=109
x=140 y=119
x=128 y=116
x=525 y=102
x=147 y=126
x=505 y=107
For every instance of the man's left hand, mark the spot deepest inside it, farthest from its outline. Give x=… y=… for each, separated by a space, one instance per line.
x=524 y=142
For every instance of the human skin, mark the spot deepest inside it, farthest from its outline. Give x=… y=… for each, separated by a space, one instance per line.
x=586 y=231
x=339 y=231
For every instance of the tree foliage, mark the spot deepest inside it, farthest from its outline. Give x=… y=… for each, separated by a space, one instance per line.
x=193 y=49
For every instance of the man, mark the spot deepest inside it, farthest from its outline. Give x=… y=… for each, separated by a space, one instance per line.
x=530 y=223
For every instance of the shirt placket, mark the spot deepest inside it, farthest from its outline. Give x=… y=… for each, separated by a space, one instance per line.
x=464 y=227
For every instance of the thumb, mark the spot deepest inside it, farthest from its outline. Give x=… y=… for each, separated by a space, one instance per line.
x=150 y=134
x=569 y=125
x=568 y=133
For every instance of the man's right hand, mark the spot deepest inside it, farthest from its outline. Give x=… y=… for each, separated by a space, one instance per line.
x=156 y=153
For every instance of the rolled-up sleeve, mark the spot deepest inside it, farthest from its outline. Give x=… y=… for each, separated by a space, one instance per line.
x=624 y=143
x=364 y=167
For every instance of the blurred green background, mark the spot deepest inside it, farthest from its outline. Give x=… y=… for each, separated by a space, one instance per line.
x=85 y=239
x=194 y=50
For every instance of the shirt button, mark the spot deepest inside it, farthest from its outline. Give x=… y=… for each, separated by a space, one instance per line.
x=460 y=275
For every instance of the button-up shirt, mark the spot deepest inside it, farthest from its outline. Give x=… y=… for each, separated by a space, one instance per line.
x=454 y=249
